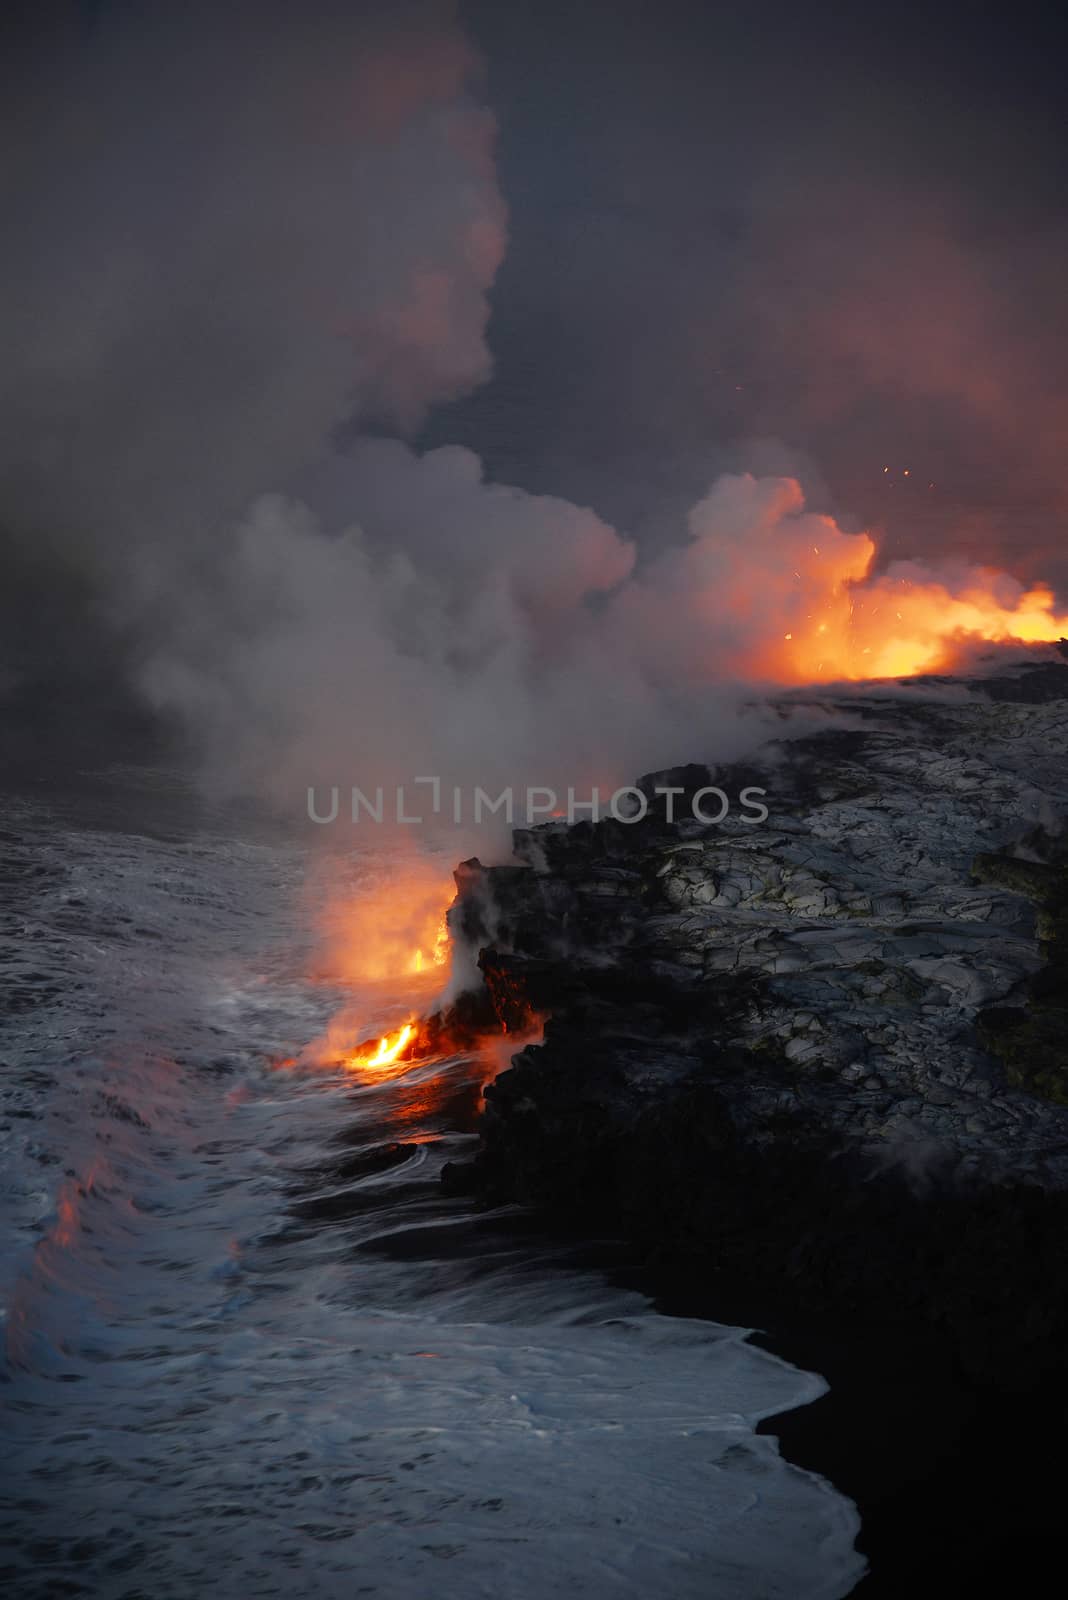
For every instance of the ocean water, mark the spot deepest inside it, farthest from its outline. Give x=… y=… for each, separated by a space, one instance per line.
x=250 y=1349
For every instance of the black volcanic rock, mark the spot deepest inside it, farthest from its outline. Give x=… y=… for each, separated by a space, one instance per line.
x=1031 y=1041
x=818 y=1052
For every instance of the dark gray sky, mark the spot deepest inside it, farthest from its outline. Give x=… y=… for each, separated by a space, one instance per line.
x=832 y=236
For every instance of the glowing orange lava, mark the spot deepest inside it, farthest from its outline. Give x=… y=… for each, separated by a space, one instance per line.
x=389 y=1049
x=782 y=593
x=835 y=620
x=389 y=935
x=381 y=932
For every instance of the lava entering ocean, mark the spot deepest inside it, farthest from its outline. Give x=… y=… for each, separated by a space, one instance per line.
x=805 y=605
x=384 y=939
x=390 y=1048
x=388 y=940
x=382 y=936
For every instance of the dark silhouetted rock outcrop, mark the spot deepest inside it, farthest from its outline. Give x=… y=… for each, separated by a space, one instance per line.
x=823 y=1051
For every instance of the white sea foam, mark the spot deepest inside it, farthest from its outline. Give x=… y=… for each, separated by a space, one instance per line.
x=238 y=1369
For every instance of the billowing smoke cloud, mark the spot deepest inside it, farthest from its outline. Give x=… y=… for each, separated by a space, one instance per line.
x=232 y=228
x=425 y=622
x=247 y=237
x=407 y=619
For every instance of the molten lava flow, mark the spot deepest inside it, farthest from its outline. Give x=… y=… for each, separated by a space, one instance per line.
x=389 y=1049
x=380 y=931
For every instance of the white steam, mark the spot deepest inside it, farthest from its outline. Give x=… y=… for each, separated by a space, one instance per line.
x=247 y=235
x=458 y=629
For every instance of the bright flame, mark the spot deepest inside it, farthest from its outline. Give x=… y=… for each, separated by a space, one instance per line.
x=389 y=929
x=389 y=1048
